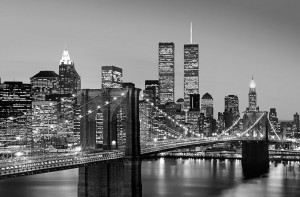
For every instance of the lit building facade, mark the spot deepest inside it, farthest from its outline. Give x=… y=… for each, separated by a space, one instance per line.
x=111 y=77
x=252 y=96
x=166 y=72
x=232 y=104
x=69 y=79
x=44 y=83
x=191 y=72
x=44 y=118
x=66 y=105
x=153 y=85
x=207 y=105
x=15 y=101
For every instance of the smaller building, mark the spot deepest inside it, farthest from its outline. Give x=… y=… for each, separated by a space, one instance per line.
x=111 y=77
x=44 y=83
x=207 y=107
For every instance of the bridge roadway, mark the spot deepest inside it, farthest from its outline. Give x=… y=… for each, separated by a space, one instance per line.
x=27 y=165
x=163 y=146
x=36 y=165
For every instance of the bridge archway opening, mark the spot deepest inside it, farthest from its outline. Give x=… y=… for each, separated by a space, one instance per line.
x=120 y=111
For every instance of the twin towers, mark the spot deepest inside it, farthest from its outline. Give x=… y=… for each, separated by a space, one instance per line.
x=166 y=71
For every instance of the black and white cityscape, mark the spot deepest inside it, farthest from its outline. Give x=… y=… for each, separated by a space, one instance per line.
x=149 y=98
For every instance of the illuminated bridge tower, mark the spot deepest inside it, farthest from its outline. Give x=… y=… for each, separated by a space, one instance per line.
x=166 y=65
x=191 y=71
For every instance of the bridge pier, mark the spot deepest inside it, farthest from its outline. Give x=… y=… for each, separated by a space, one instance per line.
x=115 y=179
x=255 y=158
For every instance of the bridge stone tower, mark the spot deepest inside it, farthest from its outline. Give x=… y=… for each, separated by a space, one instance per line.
x=255 y=151
x=126 y=98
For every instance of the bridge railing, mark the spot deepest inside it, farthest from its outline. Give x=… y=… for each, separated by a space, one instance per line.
x=56 y=162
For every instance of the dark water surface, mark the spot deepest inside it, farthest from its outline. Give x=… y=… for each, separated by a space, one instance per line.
x=172 y=177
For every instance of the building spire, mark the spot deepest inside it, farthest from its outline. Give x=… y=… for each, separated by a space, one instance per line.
x=252 y=84
x=191 y=33
x=65 y=58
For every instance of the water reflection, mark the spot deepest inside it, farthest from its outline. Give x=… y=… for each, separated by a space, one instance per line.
x=161 y=177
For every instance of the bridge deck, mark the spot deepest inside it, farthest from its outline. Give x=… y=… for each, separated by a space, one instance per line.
x=41 y=165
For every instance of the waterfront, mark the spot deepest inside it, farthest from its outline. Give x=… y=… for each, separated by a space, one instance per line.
x=172 y=177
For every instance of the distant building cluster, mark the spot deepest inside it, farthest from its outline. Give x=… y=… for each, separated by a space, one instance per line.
x=47 y=107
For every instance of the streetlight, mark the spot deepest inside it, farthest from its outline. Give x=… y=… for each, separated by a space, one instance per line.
x=113 y=144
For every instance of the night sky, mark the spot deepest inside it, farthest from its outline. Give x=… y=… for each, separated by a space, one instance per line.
x=237 y=39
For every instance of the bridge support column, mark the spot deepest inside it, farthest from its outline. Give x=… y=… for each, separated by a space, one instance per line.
x=117 y=179
x=255 y=158
x=132 y=177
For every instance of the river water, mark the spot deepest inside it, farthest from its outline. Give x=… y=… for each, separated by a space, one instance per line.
x=172 y=177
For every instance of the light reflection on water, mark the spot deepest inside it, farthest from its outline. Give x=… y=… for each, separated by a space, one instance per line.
x=172 y=177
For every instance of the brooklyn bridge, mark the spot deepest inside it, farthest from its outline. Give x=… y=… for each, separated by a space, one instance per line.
x=255 y=138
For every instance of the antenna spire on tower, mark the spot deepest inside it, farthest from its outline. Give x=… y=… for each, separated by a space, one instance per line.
x=191 y=34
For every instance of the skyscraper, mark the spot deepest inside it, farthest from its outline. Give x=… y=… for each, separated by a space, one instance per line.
x=166 y=66
x=207 y=105
x=194 y=102
x=69 y=79
x=44 y=83
x=232 y=103
x=111 y=77
x=296 y=120
x=273 y=115
x=191 y=70
x=153 y=86
x=252 y=96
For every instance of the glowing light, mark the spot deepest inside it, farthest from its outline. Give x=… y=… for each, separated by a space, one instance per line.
x=98 y=107
x=19 y=154
x=122 y=94
x=106 y=102
x=90 y=111
x=115 y=98
x=252 y=84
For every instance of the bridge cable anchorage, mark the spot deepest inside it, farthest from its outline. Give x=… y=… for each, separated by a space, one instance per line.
x=99 y=107
x=172 y=119
x=165 y=126
x=273 y=129
x=233 y=125
x=253 y=124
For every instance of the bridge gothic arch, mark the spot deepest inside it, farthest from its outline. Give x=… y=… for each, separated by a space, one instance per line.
x=119 y=99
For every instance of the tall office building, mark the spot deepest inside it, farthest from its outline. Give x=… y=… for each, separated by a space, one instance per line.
x=69 y=79
x=166 y=66
x=252 y=95
x=296 y=120
x=191 y=70
x=111 y=77
x=44 y=83
x=232 y=104
x=207 y=105
x=273 y=115
x=153 y=86
x=15 y=101
x=194 y=102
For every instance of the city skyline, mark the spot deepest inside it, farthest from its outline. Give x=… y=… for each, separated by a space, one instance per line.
x=236 y=39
